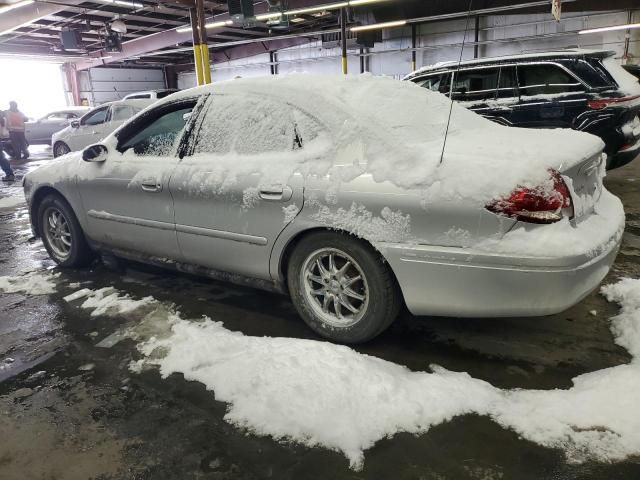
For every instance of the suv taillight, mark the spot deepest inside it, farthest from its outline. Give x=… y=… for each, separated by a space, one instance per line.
x=542 y=204
x=602 y=103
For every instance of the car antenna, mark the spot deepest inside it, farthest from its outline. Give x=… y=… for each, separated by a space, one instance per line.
x=453 y=78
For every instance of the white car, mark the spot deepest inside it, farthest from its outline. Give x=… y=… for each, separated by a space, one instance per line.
x=151 y=94
x=95 y=125
x=39 y=132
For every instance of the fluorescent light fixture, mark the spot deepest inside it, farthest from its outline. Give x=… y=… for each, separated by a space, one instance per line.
x=123 y=3
x=375 y=26
x=610 y=29
x=268 y=16
x=6 y=8
x=319 y=8
x=355 y=3
x=224 y=23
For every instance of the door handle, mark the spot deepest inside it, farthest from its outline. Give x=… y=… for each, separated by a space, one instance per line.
x=151 y=185
x=279 y=193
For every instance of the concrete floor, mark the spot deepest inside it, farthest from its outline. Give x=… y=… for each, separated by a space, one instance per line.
x=59 y=422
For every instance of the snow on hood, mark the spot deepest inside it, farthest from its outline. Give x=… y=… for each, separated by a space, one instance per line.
x=401 y=128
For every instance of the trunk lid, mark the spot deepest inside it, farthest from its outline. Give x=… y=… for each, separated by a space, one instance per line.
x=585 y=183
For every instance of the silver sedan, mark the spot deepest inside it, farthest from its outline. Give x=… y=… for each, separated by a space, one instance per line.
x=341 y=193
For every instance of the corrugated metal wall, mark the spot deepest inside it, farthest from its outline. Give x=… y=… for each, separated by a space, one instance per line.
x=100 y=85
x=440 y=41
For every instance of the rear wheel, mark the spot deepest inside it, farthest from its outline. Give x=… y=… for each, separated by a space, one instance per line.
x=61 y=233
x=60 y=148
x=342 y=288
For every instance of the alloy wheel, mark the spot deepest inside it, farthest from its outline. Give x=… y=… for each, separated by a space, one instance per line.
x=61 y=149
x=57 y=232
x=335 y=287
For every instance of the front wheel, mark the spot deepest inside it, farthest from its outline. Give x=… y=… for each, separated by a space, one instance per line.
x=61 y=233
x=342 y=288
x=60 y=148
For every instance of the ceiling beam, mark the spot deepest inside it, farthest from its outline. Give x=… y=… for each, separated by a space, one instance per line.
x=26 y=14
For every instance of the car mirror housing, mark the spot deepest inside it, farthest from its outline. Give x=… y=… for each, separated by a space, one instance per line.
x=75 y=123
x=95 y=153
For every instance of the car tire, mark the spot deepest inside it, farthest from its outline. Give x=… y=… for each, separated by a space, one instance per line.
x=61 y=233
x=60 y=148
x=352 y=298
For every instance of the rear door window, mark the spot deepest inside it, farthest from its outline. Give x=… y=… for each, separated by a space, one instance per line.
x=248 y=126
x=546 y=79
x=121 y=112
x=476 y=84
x=507 y=84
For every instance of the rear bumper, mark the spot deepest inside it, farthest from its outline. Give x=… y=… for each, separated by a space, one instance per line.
x=623 y=157
x=460 y=282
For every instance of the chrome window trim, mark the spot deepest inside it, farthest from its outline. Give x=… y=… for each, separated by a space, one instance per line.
x=510 y=64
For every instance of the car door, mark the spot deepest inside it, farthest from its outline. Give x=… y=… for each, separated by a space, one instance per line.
x=40 y=131
x=550 y=96
x=90 y=130
x=126 y=198
x=231 y=202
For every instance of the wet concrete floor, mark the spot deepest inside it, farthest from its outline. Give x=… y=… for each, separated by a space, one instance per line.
x=71 y=409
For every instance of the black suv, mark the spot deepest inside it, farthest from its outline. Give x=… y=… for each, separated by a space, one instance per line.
x=583 y=90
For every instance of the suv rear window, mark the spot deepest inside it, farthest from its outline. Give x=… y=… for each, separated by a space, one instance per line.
x=477 y=84
x=545 y=79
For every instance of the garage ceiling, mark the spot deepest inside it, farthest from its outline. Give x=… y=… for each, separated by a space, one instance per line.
x=32 y=28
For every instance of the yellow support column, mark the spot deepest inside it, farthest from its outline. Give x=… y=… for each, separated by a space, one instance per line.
x=197 y=56
x=343 y=39
x=206 y=64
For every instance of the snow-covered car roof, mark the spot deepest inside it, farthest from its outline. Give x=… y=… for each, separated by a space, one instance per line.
x=397 y=131
x=576 y=52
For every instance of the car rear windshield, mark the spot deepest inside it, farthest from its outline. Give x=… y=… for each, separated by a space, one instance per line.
x=592 y=71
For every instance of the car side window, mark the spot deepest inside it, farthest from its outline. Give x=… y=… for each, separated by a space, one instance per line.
x=475 y=84
x=96 y=117
x=121 y=112
x=158 y=134
x=56 y=117
x=246 y=126
x=431 y=82
x=507 y=84
x=546 y=79
x=137 y=97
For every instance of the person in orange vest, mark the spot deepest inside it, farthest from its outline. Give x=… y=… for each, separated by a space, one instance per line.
x=4 y=163
x=15 y=124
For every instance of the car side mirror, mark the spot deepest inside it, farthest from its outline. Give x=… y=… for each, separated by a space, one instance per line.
x=95 y=153
x=75 y=123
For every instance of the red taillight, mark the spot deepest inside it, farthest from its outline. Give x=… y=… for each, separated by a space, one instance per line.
x=542 y=204
x=601 y=103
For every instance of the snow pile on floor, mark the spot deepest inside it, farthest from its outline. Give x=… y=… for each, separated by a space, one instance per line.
x=320 y=394
x=107 y=301
x=31 y=283
x=12 y=201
